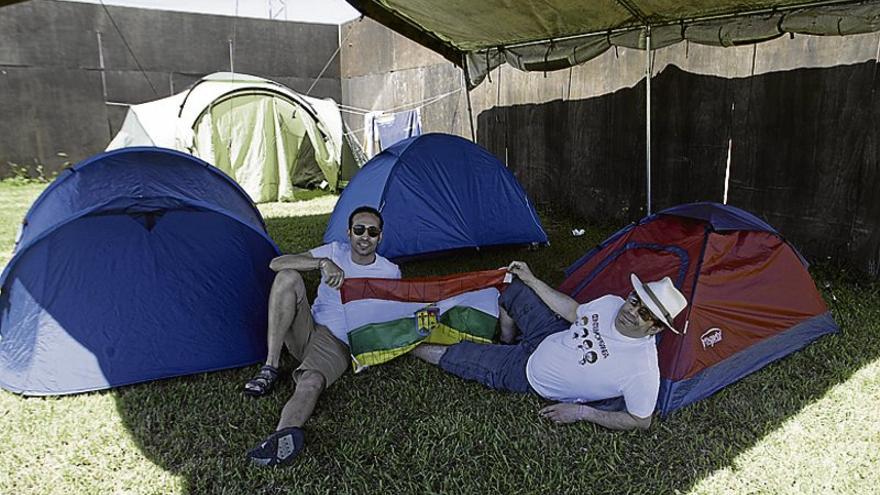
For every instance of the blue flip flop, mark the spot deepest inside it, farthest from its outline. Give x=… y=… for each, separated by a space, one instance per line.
x=280 y=448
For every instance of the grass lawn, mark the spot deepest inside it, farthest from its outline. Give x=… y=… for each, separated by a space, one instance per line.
x=807 y=424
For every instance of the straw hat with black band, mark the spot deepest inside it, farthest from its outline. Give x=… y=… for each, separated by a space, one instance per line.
x=661 y=298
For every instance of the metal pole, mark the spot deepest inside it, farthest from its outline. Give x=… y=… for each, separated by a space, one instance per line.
x=232 y=42
x=467 y=94
x=648 y=112
x=471 y=116
x=103 y=80
x=101 y=66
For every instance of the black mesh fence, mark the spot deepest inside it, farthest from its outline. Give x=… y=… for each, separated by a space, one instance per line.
x=803 y=150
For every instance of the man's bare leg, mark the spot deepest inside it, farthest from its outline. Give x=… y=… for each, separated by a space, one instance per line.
x=288 y=290
x=283 y=446
x=508 y=326
x=302 y=403
x=430 y=353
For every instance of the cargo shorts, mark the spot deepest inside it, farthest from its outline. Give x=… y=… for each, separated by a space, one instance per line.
x=314 y=346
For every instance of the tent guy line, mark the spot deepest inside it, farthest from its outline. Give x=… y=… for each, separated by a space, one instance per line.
x=128 y=47
x=330 y=60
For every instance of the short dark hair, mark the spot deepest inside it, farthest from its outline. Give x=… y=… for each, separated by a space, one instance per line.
x=365 y=209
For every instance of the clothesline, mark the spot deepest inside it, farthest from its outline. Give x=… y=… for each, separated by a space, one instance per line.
x=355 y=131
x=418 y=104
x=353 y=112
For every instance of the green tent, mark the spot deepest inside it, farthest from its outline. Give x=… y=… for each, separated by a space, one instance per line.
x=268 y=138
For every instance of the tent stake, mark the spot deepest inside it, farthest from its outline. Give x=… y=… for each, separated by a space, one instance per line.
x=648 y=114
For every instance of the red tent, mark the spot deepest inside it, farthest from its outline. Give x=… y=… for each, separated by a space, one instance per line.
x=750 y=298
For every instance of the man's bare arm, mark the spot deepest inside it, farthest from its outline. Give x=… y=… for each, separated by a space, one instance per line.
x=302 y=262
x=615 y=420
x=560 y=303
x=331 y=274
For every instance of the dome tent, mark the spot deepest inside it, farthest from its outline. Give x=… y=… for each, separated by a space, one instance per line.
x=266 y=136
x=439 y=192
x=134 y=265
x=750 y=297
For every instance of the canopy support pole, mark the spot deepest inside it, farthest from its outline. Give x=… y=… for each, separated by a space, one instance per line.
x=467 y=95
x=471 y=116
x=648 y=115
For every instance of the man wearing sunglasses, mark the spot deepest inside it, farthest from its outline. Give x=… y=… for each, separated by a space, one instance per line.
x=316 y=336
x=572 y=353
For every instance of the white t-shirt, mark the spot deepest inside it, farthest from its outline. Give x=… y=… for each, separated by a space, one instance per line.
x=593 y=361
x=327 y=308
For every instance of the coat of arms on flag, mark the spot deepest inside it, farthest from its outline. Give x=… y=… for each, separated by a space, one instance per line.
x=426 y=319
x=387 y=318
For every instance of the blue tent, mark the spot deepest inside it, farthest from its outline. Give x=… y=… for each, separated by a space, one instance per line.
x=439 y=192
x=134 y=265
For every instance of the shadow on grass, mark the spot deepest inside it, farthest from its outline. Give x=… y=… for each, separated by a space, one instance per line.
x=406 y=427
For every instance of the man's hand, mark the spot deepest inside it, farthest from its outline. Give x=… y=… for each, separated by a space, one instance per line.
x=563 y=413
x=521 y=270
x=331 y=274
x=560 y=303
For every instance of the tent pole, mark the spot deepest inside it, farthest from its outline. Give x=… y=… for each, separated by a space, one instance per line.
x=648 y=113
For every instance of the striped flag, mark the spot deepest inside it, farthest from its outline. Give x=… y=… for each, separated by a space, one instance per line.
x=387 y=318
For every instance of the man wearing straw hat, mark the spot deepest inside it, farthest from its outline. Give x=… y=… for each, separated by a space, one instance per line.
x=572 y=353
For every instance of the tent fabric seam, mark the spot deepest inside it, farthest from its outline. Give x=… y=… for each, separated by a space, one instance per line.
x=81 y=165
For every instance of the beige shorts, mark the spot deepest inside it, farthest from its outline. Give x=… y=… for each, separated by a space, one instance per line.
x=315 y=347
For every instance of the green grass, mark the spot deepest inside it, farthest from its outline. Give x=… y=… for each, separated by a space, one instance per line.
x=15 y=199
x=807 y=424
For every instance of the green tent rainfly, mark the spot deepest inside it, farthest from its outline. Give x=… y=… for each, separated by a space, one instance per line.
x=267 y=137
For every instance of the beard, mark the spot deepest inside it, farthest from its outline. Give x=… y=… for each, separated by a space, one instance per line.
x=363 y=248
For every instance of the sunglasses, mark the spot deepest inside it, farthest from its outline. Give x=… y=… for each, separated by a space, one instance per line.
x=644 y=313
x=372 y=230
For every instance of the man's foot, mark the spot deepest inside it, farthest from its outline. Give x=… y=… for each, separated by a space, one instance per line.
x=280 y=448
x=430 y=353
x=261 y=384
x=507 y=325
